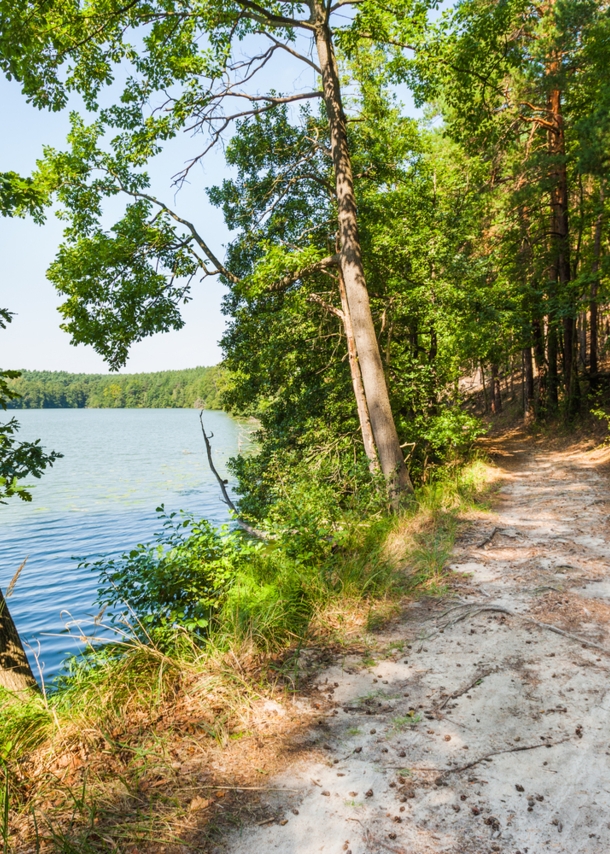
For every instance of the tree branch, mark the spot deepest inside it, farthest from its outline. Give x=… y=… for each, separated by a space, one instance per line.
x=330 y=261
x=293 y=52
x=221 y=269
x=223 y=488
x=327 y=307
x=259 y=13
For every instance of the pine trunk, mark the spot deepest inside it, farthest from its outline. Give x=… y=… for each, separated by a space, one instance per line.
x=369 y=358
x=560 y=233
x=593 y=326
x=528 y=397
x=553 y=375
x=495 y=394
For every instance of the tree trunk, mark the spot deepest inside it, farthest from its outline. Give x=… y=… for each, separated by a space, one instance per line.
x=369 y=358
x=15 y=671
x=541 y=365
x=560 y=232
x=528 y=395
x=495 y=394
x=363 y=412
x=593 y=331
x=485 y=403
x=553 y=377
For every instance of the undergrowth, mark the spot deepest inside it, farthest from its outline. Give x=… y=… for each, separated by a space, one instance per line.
x=97 y=764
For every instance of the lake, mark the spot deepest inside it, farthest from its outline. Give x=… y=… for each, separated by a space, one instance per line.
x=118 y=466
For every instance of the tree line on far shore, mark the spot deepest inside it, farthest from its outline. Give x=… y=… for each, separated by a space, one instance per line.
x=192 y=387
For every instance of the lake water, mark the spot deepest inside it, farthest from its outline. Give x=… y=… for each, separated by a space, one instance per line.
x=118 y=466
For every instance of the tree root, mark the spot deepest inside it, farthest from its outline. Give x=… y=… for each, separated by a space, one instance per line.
x=479 y=609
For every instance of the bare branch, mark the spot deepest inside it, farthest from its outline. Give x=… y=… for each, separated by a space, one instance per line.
x=223 y=488
x=327 y=307
x=258 y=13
x=293 y=52
x=220 y=267
x=216 y=133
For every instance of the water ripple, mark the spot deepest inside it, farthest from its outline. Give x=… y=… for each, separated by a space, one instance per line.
x=119 y=465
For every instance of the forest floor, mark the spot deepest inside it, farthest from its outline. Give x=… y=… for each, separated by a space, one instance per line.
x=481 y=722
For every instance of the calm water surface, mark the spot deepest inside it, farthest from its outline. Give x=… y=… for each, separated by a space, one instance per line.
x=118 y=466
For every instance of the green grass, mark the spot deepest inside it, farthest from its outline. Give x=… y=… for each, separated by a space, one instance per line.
x=127 y=707
x=405 y=721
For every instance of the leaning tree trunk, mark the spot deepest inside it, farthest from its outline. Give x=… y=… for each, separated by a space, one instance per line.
x=373 y=378
x=15 y=671
x=352 y=353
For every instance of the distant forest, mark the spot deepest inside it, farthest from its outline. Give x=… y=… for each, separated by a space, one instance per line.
x=193 y=387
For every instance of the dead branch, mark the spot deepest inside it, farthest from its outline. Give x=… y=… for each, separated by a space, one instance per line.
x=261 y=535
x=488 y=539
x=499 y=753
x=326 y=306
x=463 y=691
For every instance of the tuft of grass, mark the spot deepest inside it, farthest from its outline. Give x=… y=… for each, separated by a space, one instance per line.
x=405 y=721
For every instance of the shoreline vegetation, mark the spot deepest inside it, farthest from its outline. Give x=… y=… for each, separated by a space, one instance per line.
x=199 y=388
x=129 y=747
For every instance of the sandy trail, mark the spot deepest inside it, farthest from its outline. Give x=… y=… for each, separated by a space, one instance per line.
x=387 y=765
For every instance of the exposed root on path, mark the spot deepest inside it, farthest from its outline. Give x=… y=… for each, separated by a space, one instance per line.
x=480 y=608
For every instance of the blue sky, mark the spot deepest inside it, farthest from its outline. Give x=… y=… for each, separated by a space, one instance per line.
x=34 y=340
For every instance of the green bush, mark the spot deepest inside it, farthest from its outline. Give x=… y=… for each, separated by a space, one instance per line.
x=178 y=580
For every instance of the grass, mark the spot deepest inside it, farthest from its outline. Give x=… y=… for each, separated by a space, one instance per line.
x=405 y=721
x=112 y=757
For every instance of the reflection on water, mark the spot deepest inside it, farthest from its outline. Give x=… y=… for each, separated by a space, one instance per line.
x=118 y=466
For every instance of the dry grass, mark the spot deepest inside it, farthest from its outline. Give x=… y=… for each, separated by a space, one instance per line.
x=131 y=755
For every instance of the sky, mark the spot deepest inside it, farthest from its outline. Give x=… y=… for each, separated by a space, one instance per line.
x=34 y=341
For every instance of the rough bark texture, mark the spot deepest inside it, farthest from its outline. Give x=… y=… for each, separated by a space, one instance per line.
x=553 y=377
x=528 y=397
x=495 y=393
x=593 y=326
x=369 y=358
x=539 y=356
x=560 y=231
x=15 y=671
x=363 y=411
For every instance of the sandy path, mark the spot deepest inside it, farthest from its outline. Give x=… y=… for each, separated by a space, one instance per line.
x=385 y=769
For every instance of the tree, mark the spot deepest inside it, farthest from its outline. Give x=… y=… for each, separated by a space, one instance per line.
x=18 y=460
x=189 y=57
x=521 y=84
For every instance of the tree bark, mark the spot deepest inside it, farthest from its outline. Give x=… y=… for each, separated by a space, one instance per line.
x=560 y=230
x=485 y=402
x=354 y=366
x=495 y=394
x=541 y=365
x=369 y=357
x=553 y=376
x=15 y=671
x=593 y=326
x=528 y=385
